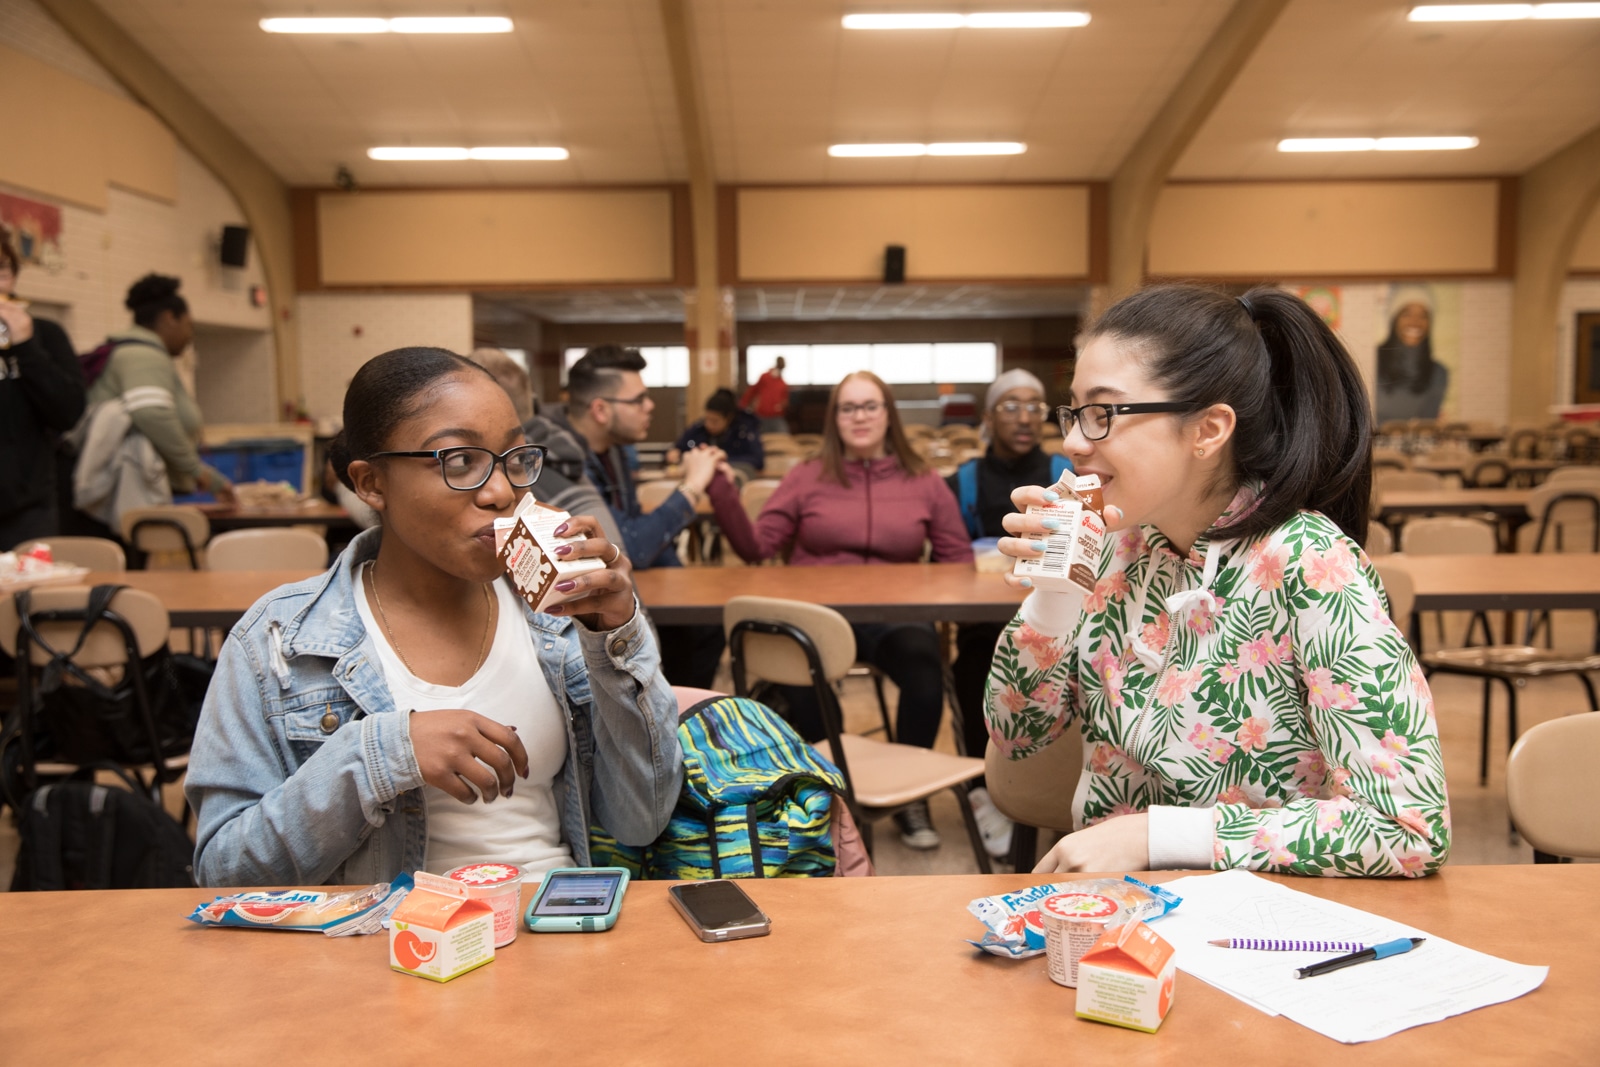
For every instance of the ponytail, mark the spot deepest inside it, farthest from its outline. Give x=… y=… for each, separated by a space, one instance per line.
x=1304 y=424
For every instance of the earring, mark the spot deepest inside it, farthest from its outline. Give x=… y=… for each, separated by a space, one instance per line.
x=1199 y=451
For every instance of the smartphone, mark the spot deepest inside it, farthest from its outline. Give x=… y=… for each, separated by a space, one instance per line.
x=577 y=900
x=719 y=910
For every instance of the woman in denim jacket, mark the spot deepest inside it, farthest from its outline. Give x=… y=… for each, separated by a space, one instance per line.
x=405 y=710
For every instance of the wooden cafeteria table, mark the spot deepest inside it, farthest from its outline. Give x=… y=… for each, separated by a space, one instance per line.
x=879 y=592
x=307 y=512
x=855 y=971
x=202 y=598
x=1518 y=581
x=1508 y=506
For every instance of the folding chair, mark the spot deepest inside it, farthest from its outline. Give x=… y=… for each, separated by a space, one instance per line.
x=1550 y=788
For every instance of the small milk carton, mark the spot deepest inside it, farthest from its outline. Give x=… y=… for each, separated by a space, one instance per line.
x=527 y=542
x=1127 y=977
x=439 y=932
x=1071 y=554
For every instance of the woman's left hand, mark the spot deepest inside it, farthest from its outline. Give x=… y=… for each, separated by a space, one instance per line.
x=602 y=600
x=1115 y=846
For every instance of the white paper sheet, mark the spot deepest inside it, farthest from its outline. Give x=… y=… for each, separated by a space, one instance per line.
x=1434 y=981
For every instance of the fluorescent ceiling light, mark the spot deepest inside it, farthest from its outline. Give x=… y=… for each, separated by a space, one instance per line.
x=986 y=20
x=1375 y=144
x=1502 y=12
x=503 y=152
x=453 y=24
x=943 y=148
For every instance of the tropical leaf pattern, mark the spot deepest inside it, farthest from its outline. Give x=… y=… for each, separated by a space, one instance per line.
x=1286 y=701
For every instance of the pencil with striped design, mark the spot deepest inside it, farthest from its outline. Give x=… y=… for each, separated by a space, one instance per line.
x=1272 y=945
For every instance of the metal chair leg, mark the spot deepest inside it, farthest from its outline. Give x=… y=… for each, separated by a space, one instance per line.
x=1024 y=847
x=1483 y=747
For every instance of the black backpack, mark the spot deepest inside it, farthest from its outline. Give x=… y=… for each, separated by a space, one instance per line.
x=77 y=834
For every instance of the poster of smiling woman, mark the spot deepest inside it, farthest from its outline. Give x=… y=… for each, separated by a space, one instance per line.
x=1420 y=353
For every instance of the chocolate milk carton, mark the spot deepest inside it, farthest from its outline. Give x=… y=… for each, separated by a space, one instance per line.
x=1072 y=553
x=527 y=543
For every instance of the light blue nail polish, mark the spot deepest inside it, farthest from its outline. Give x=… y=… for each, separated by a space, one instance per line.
x=1051 y=497
x=1027 y=583
x=1039 y=546
x=1050 y=524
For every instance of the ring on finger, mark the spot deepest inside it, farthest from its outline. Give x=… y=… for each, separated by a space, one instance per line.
x=616 y=554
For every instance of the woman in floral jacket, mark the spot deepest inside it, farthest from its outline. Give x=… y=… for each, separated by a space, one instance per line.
x=1245 y=699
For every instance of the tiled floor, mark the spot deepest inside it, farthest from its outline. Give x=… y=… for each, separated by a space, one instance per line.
x=1479 y=815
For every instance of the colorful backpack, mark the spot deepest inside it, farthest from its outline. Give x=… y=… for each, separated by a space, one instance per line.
x=751 y=788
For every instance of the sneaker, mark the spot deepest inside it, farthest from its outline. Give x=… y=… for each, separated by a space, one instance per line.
x=994 y=826
x=916 y=828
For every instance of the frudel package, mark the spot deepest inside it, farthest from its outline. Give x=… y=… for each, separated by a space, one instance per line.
x=1019 y=927
x=1127 y=978
x=526 y=544
x=337 y=914
x=1072 y=553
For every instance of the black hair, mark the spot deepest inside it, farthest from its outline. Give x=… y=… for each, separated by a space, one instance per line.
x=599 y=373
x=723 y=402
x=151 y=295
x=1304 y=426
x=386 y=391
x=1403 y=366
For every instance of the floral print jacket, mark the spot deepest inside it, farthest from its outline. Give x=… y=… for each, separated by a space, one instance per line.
x=1279 y=695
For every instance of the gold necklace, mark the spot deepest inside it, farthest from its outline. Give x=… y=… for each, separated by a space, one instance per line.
x=483 y=642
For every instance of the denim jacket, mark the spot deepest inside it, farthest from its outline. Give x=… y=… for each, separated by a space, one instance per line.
x=302 y=770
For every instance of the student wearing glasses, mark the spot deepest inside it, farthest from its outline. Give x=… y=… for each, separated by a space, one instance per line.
x=609 y=408
x=1244 y=697
x=1013 y=412
x=406 y=710
x=869 y=498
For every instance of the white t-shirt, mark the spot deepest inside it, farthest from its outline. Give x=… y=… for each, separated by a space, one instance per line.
x=510 y=688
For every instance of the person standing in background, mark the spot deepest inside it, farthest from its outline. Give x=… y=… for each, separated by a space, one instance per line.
x=1411 y=383
x=41 y=397
x=1013 y=412
x=768 y=397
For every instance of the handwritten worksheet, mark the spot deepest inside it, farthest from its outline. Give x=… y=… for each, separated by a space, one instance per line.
x=1434 y=981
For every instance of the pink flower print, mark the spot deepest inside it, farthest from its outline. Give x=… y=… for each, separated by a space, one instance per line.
x=1285 y=649
x=1104 y=660
x=1218 y=853
x=1005 y=745
x=1267 y=841
x=1329 y=818
x=1046 y=695
x=1411 y=865
x=1386 y=764
x=1311 y=771
x=1114 y=677
x=1202 y=735
x=1130 y=544
x=1252 y=733
x=1344 y=697
x=1049 y=656
x=1122 y=809
x=1330 y=571
x=1234 y=794
x=1395 y=744
x=1155 y=634
x=1221 y=750
x=1176 y=686
x=1202 y=620
x=1100 y=758
x=1341 y=782
x=1266 y=566
x=1032 y=641
x=1319 y=687
x=1229 y=673
x=1412 y=821
x=1255 y=656
x=1013 y=700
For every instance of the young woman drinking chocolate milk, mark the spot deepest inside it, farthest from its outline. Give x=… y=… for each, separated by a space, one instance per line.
x=356 y=718
x=1245 y=699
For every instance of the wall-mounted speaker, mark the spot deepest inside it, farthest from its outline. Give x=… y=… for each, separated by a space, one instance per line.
x=894 y=264
x=235 y=249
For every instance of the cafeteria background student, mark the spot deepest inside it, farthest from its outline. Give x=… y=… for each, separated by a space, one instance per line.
x=724 y=426
x=1245 y=699
x=356 y=718
x=609 y=408
x=1013 y=411
x=768 y=398
x=869 y=498
x=41 y=397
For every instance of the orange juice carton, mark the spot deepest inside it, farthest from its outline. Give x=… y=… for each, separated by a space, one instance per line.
x=527 y=544
x=1126 y=978
x=1072 y=553
x=440 y=931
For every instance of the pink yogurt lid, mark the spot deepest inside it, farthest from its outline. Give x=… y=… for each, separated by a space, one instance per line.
x=1078 y=907
x=480 y=875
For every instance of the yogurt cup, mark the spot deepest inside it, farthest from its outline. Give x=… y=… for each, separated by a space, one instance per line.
x=500 y=886
x=1073 y=922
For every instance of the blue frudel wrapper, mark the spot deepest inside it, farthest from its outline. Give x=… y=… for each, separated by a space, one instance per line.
x=1016 y=931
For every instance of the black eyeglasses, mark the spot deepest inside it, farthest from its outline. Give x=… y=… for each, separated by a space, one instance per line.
x=640 y=399
x=467 y=467
x=1095 y=419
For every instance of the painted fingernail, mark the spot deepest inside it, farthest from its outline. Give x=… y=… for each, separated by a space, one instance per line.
x=559 y=530
x=1050 y=524
x=563 y=550
x=1027 y=583
x=1051 y=497
x=569 y=585
x=1037 y=546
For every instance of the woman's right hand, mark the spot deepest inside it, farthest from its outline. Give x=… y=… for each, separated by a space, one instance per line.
x=1029 y=531
x=19 y=324
x=455 y=746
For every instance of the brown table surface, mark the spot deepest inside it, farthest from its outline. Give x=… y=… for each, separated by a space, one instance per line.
x=1416 y=501
x=313 y=511
x=855 y=971
x=888 y=592
x=1516 y=581
x=202 y=598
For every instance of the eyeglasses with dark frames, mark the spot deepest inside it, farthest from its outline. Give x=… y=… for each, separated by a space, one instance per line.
x=1095 y=419
x=640 y=399
x=467 y=467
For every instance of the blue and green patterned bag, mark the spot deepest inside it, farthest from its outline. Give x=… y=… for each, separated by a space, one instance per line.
x=757 y=802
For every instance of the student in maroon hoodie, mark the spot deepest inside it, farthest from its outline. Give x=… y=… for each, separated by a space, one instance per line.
x=869 y=498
